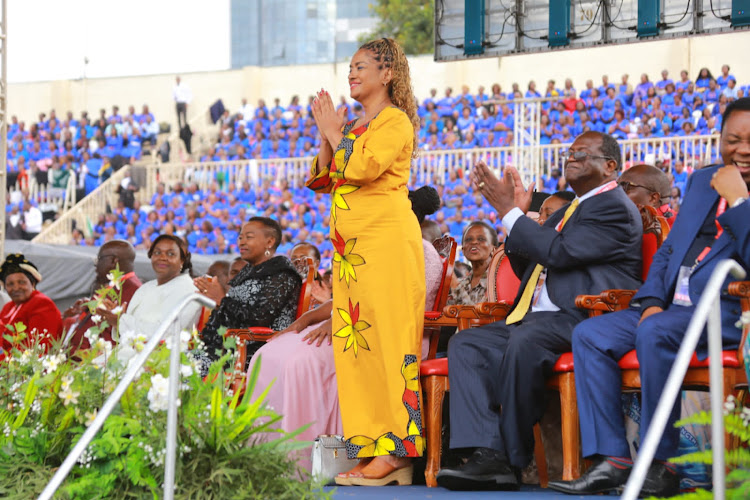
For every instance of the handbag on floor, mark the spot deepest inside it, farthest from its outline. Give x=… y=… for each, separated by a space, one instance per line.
x=329 y=458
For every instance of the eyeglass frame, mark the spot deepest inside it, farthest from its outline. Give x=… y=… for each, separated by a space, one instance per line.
x=633 y=184
x=102 y=257
x=582 y=155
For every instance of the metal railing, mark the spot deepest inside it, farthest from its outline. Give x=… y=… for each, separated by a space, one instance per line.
x=44 y=195
x=85 y=212
x=431 y=166
x=707 y=313
x=114 y=398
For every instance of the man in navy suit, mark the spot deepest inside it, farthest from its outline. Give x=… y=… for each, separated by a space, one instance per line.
x=711 y=226
x=591 y=244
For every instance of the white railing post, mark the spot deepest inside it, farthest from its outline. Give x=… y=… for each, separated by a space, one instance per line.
x=114 y=398
x=707 y=310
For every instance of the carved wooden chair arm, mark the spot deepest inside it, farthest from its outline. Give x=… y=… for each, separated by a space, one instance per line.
x=607 y=301
x=740 y=289
x=489 y=312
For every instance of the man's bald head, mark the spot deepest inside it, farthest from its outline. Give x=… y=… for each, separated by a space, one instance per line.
x=646 y=185
x=430 y=230
x=114 y=254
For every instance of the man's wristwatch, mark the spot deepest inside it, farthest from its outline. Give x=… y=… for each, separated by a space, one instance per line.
x=739 y=201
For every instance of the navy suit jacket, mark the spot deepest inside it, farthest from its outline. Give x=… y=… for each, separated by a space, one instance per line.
x=734 y=243
x=598 y=248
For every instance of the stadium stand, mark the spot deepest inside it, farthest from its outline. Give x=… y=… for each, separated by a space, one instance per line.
x=209 y=217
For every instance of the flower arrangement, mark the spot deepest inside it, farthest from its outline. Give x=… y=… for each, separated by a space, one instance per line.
x=227 y=447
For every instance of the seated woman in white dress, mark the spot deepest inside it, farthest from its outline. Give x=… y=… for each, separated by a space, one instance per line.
x=154 y=300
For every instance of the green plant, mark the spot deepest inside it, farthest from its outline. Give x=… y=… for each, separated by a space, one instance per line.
x=736 y=424
x=227 y=447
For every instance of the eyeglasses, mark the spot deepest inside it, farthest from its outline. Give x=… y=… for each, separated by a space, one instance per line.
x=628 y=186
x=101 y=258
x=581 y=155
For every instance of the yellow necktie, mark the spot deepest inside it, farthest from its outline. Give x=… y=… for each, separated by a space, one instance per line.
x=528 y=292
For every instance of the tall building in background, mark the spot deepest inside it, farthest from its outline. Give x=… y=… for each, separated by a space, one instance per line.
x=292 y=32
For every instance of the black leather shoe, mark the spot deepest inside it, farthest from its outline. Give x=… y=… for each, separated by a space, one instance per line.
x=600 y=478
x=486 y=469
x=660 y=482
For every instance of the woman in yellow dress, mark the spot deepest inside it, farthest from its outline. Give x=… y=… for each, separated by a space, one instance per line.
x=378 y=270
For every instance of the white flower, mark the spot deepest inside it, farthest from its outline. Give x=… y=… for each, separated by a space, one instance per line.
x=103 y=345
x=116 y=310
x=157 y=395
x=67 y=381
x=745 y=416
x=90 y=416
x=25 y=357
x=139 y=342
x=184 y=340
x=68 y=396
x=186 y=370
x=96 y=318
x=50 y=363
x=730 y=405
x=113 y=282
x=91 y=336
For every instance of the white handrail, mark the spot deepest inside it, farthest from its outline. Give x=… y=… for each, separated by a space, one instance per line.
x=114 y=398
x=707 y=312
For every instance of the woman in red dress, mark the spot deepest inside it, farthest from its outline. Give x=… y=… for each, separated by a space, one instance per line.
x=35 y=310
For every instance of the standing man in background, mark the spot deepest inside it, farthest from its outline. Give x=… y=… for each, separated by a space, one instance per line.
x=182 y=96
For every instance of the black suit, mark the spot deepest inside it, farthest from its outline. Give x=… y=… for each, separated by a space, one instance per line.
x=506 y=366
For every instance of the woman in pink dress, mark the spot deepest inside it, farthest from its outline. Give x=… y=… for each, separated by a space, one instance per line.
x=299 y=360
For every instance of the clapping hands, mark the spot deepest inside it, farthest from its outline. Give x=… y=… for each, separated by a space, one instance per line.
x=503 y=194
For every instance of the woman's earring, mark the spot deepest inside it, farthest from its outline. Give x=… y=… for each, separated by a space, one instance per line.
x=267 y=253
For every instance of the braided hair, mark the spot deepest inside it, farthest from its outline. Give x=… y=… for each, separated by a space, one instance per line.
x=389 y=54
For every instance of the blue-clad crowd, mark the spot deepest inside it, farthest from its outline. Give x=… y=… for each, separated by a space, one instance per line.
x=210 y=219
x=465 y=120
x=52 y=147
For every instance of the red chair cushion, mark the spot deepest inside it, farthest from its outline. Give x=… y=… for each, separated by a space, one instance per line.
x=507 y=283
x=564 y=363
x=649 y=246
x=728 y=360
x=432 y=314
x=434 y=367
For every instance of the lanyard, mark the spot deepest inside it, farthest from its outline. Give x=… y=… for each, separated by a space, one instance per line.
x=719 y=230
x=607 y=187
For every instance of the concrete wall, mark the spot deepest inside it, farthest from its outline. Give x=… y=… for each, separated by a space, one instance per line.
x=27 y=100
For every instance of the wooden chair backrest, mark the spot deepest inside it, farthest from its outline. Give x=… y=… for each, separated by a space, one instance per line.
x=502 y=282
x=305 y=267
x=655 y=231
x=446 y=247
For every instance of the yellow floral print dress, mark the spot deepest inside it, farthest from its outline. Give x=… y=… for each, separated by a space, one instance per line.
x=378 y=286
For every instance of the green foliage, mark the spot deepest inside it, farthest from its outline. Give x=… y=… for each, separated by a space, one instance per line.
x=736 y=424
x=227 y=447
x=409 y=22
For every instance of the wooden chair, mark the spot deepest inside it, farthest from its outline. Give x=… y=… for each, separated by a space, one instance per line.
x=655 y=231
x=306 y=268
x=502 y=282
x=434 y=319
x=435 y=380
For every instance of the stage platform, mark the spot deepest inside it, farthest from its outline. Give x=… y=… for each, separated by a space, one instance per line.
x=423 y=492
